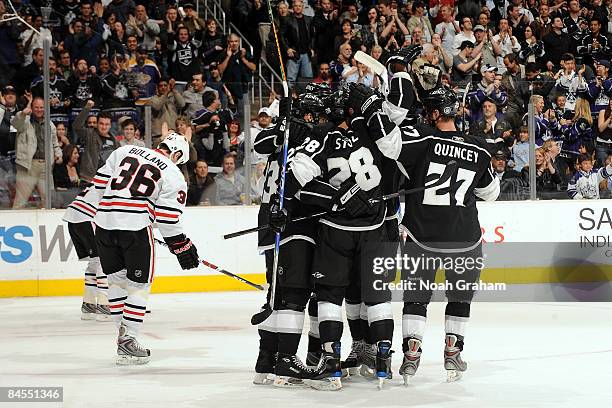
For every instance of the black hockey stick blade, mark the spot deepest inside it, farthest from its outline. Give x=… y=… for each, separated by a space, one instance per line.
x=449 y=170
x=223 y=271
x=260 y=317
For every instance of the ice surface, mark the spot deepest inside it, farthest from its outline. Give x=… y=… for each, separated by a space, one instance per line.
x=203 y=351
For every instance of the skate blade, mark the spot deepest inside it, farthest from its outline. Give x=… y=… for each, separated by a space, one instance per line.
x=367 y=372
x=381 y=382
x=326 y=384
x=407 y=379
x=103 y=318
x=350 y=372
x=288 y=382
x=88 y=316
x=263 y=379
x=453 y=375
x=132 y=360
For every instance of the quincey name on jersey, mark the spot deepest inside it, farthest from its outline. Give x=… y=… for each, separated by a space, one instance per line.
x=137 y=187
x=445 y=216
x=338 y=157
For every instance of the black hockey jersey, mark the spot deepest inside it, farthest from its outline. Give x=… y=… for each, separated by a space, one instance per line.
x=444 y=217
x=337 y=157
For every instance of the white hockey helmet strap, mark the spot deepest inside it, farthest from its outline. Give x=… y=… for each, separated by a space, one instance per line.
x=175 y=142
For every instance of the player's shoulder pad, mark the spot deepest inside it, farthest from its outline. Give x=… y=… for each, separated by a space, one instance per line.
x=477 y=141
x=321 y=130
x=418 y=130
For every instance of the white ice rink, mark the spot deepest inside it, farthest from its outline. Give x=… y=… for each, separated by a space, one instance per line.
x=203 y=351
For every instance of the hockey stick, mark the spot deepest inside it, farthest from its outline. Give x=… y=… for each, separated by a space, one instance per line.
x=450 y=169
x=267 y=311
x=467 y=89
x=376 y=67
x=217 y=269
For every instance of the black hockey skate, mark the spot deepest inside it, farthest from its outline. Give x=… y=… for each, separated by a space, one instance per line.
x=368 y=366
x=313 y=358
x=327 y=376
x=353 y=362
x=264 y=368
x=383 y=362
x=290 y=371
x=412 y=359
x=453 y=363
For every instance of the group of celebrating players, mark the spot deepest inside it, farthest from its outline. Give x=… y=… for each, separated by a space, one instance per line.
x=346 y=152
x=347 y=149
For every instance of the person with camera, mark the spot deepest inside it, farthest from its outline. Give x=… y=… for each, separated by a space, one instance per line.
x=211 y=141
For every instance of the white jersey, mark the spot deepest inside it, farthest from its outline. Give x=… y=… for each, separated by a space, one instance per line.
x=84 y=206
x=137 y=187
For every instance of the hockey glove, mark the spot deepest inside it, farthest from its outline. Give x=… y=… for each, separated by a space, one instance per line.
x=184 y=250
x=278 y=218
x=364 y=100
x=284 y=107
x=352 y=199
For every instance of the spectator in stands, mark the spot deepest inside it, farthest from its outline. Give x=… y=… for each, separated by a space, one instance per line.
x=369 y=32
x=580 y=130
x=568 y=83
x=544 y=121
x=145 y=28
x=487 y=89
x=517 y=22
x=64 y=66
x=511 y=82
x=595 y=44
x=59 y=93
x=192 y=21
x=213 y=44
x=507 y=42
x=599 y=89
x=61 y=131
x=348 y=35
x=520 y=151
x=493 y=128
x=31 y=39
x=118 y=90
x=211 y=142
x=184 y=52
x=604 y=134
x=361 y=74
x=122 y=9
x=30 y=151
x=296 y=34
x=532 y=50
x=8 y=109
x=230 y=185
x=448 y=28
x=542 y=24
x=324 y=75
x=264 y=121
x=490 y=49
x=193 y=95
x=464 y=64
x=9 y=57
x=66 y=173
x=117 y=42
x=83 y=42
x=394 y=34
x=25 y=76
x=237 y=69
x=83 y=85
x=235 y=137
x=148 y=76
x=466 y=34
x=202 y=188
x=586 y=181
x=98 y=143
x=325 y=27
x=556 y=44
x=128 y=129
x=165 y=107
x=435 y=54
x=499 y=162
x=341 y=63
x=418 y=19
x=548 y=178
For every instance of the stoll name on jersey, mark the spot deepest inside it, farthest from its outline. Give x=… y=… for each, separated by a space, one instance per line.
x=456 y=152
x=146 y=154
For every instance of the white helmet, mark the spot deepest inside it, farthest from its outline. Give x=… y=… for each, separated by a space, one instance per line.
x=177 y=143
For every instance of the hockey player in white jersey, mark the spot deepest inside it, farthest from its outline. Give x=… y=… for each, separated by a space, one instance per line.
x=80 y=215
x=440 y=222
x=138 y=187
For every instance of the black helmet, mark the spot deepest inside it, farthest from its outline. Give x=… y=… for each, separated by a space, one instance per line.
x=404 y=56
x=336 y=104
x=443 y=100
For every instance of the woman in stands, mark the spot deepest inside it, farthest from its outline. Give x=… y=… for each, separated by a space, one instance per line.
x=604 y=134
x=66 y=174
x=548 y=179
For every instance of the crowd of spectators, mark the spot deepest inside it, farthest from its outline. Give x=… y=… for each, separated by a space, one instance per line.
x=111 y=58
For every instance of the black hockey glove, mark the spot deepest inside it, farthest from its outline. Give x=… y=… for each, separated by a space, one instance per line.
x=184 y=250
x=278 y=218
x=284 y=107
x=352 y=199
x=364 y=100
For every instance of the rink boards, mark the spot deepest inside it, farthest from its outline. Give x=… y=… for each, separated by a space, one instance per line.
x=37 y=257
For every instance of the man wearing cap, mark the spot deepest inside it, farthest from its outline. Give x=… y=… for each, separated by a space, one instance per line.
x=465 y=64
x=487 y=89
x=466 y=34
x=490 y=49
x=264 y=121
x=147 y=74
x=510 y=180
